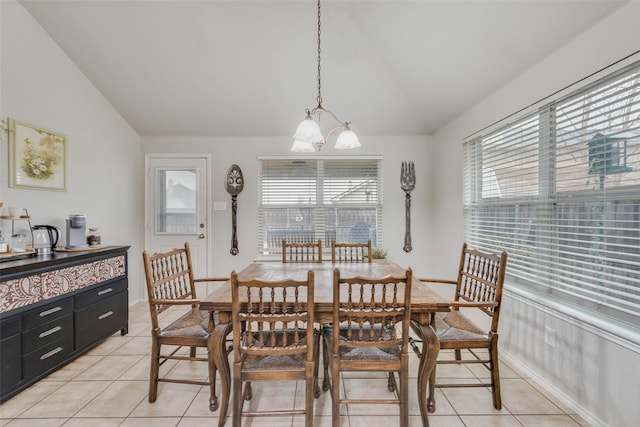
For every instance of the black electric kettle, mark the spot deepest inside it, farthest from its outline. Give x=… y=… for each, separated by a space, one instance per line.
x=45 y=238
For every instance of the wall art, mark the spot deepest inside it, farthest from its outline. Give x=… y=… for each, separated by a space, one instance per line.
x=37 y=157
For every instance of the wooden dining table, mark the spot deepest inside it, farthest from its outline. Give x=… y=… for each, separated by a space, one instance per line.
x=425 y=302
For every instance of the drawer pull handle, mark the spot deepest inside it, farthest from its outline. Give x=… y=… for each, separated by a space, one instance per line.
x=105 y=291
x=105 y=315
x=50 y=311
x=50 y=331
x=51 y=353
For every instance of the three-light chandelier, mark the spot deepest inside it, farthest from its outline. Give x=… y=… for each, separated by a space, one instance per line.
x=308 y=136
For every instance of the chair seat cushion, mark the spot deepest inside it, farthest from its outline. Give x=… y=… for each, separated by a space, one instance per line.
x=193 y=324
x=377 y=353
x=455 y=326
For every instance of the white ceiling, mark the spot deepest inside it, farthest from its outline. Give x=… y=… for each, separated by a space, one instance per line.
x=248 y=68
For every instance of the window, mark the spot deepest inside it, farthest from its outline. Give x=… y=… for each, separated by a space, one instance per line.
x=303 y=200
x=559 y=189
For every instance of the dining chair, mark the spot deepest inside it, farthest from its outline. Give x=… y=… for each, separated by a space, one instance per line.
x=278 y=341
x=350 y=252
x=478 y=288
x=369 y=332
x=302 y=252
x=171 y=284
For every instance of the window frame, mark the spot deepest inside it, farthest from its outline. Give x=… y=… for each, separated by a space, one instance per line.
x=268 y=249
x=537 y=261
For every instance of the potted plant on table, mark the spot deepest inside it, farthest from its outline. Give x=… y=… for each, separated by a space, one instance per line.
x=378 y=253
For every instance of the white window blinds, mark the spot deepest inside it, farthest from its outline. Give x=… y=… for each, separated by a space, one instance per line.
x=304 y=200
x=559 y=190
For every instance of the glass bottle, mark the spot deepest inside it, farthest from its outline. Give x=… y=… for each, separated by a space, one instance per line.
x=93 y=237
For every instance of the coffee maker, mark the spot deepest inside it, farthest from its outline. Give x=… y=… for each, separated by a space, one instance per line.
x=77 y=231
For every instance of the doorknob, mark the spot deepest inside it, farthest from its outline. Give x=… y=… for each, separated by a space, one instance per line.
x=200 y=236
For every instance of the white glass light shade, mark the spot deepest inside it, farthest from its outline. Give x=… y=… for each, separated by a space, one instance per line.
x=302 y=146
x=347 y=140
x=308 y=131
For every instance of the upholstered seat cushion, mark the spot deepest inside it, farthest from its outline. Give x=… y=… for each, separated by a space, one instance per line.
x=193 y=324
x=456 y=326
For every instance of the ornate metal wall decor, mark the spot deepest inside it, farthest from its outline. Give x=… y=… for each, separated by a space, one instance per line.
x=407 y=183
x=234 y=183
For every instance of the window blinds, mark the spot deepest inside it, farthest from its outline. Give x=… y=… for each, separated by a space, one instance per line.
x=305 y=200
x=559 y=189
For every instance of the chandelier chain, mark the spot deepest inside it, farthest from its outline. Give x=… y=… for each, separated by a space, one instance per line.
x=319 y=98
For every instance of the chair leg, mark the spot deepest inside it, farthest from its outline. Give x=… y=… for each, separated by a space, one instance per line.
x=325 y=356
x=192 y=352
x=316 y=364
x=310 y=391
x=458 y=354
x=237 y=399
x=404 y=391
x=495 y=374
x=391 y=381
x=335 y=392
x=154 y=369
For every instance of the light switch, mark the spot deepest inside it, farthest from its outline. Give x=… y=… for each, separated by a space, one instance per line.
x=220 y=206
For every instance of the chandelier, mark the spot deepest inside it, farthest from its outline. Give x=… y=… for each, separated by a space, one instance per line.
x=308 y=136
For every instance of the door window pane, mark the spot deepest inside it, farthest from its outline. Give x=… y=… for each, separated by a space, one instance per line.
x=176 y=203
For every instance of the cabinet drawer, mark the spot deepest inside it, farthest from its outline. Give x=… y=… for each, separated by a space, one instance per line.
x=94 y=295
x=101 y=319
x=47 y=333
x=47 y=313
x=44 y=358
x=10 y=362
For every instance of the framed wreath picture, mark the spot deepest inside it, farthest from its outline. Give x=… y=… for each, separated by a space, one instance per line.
x=37 y=157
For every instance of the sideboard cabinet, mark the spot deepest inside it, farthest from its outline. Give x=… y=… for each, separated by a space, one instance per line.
x=54 y=308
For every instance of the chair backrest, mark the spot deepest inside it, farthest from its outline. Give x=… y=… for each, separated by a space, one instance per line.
x=371 y=308
x=480 y=280
x=169 y=277
x=302 y=252
x=262 y=310
x=350 y=252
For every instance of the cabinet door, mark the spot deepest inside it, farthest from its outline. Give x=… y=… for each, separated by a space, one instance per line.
x=10 y=362
x=101 y=319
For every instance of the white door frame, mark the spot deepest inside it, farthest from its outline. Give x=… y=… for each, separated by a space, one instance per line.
x=208 y=202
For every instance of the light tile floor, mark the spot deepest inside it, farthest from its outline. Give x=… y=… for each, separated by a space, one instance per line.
x=108 y=386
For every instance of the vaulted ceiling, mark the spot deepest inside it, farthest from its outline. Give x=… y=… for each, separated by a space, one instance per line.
x=248 y=68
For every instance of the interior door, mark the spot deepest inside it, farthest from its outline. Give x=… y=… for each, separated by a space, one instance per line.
x=178 y=207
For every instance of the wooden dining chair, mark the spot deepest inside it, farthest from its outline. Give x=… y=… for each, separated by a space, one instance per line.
x=350 y=252
x=302 y=252
x=278 y=341
x=369 y=332
x=171 y=284
x=479 y=288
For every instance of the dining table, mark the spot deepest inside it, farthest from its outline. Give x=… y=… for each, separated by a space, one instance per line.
x=425 y=302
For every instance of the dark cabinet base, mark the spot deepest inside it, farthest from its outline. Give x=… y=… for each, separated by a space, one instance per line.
x=39 y=338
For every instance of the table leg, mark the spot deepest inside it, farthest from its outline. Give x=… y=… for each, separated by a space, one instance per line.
x=428 y=357
x=217 y=342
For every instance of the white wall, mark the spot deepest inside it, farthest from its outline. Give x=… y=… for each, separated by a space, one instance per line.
x=41 y=86
x=226 y=151
x=595 y=373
